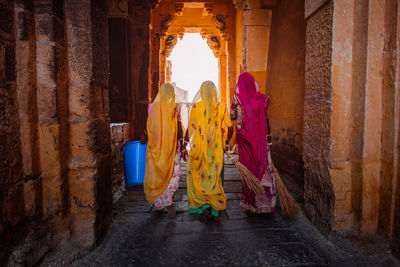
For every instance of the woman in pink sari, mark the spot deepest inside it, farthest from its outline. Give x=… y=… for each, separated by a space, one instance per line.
x=249 y=109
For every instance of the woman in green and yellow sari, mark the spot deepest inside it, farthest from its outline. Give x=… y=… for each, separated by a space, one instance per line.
x=206 y=157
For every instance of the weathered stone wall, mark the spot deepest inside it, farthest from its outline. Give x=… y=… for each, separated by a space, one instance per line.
x=12 y=207
x=89 y=173
x=55 y=182
x=351 y=116
x=285 y=86
x=119 y=136
x=318 y=190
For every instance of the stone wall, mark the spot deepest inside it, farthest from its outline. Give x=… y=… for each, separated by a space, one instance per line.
x=318 y=190
x=285 y=86
x=351 y=117
x=12 y=184
x=119 y=136
x=55 y=185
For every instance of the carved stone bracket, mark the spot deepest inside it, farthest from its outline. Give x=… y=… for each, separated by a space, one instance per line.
x=219 y=22
x=165 y=23
x=215 y=44
x=169 y=19
x=181 y=33
x=203 y=33
x=212 y=41
x=170 y=43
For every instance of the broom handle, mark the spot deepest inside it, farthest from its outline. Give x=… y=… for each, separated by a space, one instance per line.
x=229 y=155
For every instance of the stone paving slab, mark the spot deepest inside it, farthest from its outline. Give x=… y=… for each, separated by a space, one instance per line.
x=139 y=237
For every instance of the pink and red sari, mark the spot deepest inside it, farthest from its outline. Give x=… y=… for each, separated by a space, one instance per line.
x=249 y=108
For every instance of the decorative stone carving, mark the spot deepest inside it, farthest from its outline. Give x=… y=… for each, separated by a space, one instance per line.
x=203 y=33
x=165 y=23
x=219 y=22
x=170 y=43
x=181 y=33
x=215 y=45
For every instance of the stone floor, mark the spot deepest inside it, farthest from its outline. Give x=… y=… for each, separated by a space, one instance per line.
x=139 y=237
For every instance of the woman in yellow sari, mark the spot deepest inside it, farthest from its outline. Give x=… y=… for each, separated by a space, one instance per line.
x=206 y=157
x=163 y=151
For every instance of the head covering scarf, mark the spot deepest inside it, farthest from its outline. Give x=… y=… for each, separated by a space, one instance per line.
x=206 y=151
x=162 y=140
x=251 y=137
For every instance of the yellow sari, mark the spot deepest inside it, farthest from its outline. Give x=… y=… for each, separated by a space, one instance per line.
x=161 y=146
x=206 y=157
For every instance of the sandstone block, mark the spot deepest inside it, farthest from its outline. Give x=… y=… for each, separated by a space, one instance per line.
x=257 y=38
x=257 y=17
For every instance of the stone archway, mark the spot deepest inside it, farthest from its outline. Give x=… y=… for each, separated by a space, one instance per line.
x=214 y=21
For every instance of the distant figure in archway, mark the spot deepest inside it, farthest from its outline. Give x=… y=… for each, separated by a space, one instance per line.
x=163 y=151
x=207 y=119
x=249 y=108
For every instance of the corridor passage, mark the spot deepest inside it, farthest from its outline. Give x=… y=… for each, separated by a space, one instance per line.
x=139 y=237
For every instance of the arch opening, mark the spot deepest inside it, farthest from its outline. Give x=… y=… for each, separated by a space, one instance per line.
x=192 y=62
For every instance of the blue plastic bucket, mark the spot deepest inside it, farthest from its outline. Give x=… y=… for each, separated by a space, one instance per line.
x=134 y=162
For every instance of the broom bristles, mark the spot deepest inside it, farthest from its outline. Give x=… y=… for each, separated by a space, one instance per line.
x=248 y=178
x=288 y=204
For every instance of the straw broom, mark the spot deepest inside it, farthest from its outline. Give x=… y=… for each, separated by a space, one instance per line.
x=248 y=178
x=288 y=204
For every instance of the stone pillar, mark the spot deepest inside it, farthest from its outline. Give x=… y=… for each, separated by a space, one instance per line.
x=90 y=164
x=256 y=23
x=12 y=207
x=318 y=190
x=162 y=62
x=395 y=223
x=379 y=117
x=239 y=43
x=222 y=66
x=25 y=53
x=346 y=142
x=155 y=68
x=231 y=64
x=154 y=81
x=52 y=106
x=139 y=12
x=350 y=115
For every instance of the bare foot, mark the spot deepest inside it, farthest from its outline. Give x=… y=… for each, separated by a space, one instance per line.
x=171 y=212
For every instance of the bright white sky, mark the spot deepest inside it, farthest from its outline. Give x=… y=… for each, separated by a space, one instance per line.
x=193 y=62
